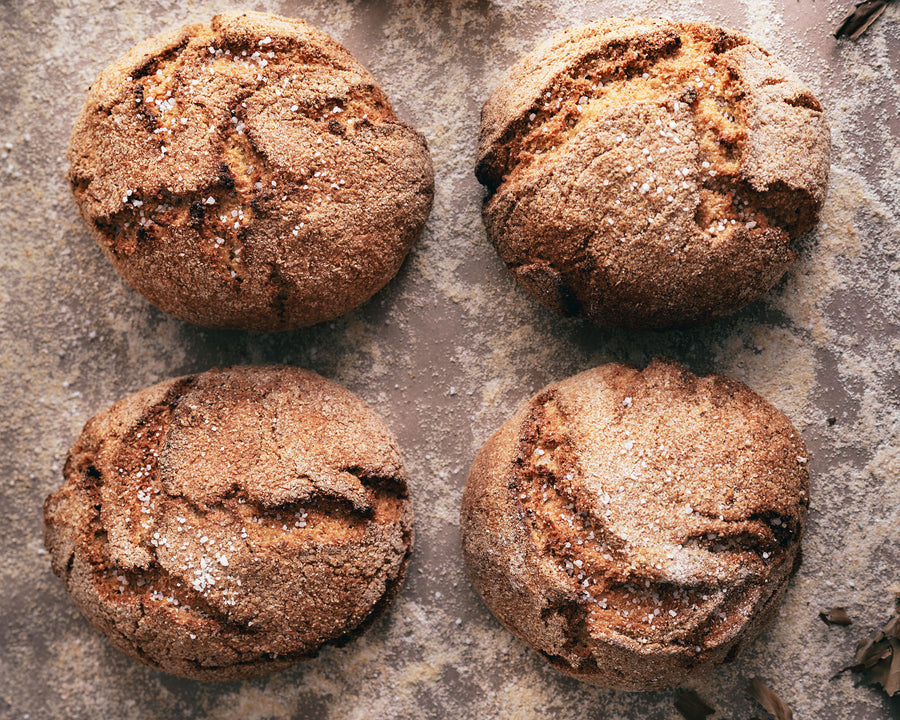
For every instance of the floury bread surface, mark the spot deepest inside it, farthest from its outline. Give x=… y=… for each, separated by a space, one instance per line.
x=224 y=525
x=248 y=174
x=647 y=174
x=637 y=527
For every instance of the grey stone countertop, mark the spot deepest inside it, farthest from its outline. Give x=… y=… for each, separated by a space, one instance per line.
x=445 y=354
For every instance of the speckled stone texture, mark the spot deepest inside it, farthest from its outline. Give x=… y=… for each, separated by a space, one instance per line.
x=446 y=353
x=224 y=525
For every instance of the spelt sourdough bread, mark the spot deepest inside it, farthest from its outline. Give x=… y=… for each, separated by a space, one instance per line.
x=248 y=174
x=221 y=526
x=637 y=527
x=647 y=174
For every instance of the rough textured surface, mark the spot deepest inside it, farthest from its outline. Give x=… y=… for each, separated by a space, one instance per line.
x=645 y=173
x=447 y=352
x=248 y=174
x=637 y=527
x=224 y=525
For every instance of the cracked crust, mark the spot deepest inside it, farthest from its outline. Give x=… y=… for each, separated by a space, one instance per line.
x=649 y=174
x=249 y=174
x=222 y=526
x=637 y=527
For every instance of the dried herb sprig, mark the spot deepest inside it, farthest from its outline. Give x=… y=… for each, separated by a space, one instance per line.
x=766 y=697
x=878 y=658
x=858 y=21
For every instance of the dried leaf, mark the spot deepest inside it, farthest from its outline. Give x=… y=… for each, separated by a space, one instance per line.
x=878 y=658
x=692 y=706
x=872 y=651
x=887 y=674
x=892 y=686
x=892 y=629
x=836 y=616
x=766 y=697
x=858 y=21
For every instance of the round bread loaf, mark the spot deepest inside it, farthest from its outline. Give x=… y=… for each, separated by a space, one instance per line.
x=222 y=526
x=635 y=527
x=250 y=174
x=647 y=174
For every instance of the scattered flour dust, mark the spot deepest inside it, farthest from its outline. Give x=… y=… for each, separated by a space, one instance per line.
x=823 y=346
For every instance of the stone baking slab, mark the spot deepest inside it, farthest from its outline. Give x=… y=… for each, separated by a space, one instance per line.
x=444 y=354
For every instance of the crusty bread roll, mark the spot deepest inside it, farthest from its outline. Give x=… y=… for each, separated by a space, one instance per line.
x=647 y=174
x=637 y=527
x=221 y=526
x=248 y=174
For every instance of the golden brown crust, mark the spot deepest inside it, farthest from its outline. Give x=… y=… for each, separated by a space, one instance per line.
x=249 y=174
x=645 y=173
x=633 y=527
x=224 y=525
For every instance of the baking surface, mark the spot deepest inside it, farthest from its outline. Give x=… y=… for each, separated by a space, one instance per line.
x=445 y=354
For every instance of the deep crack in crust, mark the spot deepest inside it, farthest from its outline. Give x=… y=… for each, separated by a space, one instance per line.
x=635 y=527
x=649 y=174
x=224 y=525
x=249 y=174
